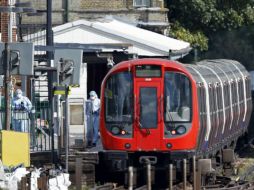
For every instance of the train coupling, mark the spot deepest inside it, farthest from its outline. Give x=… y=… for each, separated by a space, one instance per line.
x=148 y=159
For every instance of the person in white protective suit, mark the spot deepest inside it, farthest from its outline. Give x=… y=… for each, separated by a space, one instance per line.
x=93 y=113
x=21 y=107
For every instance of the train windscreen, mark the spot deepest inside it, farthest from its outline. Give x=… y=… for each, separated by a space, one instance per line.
x=118 y=98
x=177 y=97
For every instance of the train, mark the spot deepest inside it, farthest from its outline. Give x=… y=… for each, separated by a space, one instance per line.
x=162 y=110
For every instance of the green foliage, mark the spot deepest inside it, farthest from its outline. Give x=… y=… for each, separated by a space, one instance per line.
x=196 y=39
x=236 y=44
x=225 y=26
x=211 y=15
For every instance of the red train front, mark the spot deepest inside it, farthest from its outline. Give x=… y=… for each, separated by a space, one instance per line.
x=149 y=105
x=163 y=111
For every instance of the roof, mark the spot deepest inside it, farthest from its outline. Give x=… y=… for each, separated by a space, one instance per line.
x=114 y=31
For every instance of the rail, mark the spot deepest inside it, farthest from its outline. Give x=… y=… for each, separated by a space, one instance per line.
x=199 y=180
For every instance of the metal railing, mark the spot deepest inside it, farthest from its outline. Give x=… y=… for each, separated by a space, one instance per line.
x=35 y=122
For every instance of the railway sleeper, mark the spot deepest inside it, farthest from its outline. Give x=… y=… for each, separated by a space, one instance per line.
x=204 y=175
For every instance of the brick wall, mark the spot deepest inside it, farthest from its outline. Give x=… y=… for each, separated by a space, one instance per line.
x=42 y=4
x=4 y=24
x=92 y=9
x=107 y=5
x=102 y=4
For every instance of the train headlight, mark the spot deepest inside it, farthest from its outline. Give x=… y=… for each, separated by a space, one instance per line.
x=127 y=145
x=123 y=132
x=181 y=129
x=115 y=130
x=169 y=145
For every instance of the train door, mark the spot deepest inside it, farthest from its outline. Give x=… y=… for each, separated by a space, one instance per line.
x=149 y=114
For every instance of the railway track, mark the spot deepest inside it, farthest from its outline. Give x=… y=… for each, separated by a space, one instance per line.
x=235 y=186
x=200 y=179
x=203 y=177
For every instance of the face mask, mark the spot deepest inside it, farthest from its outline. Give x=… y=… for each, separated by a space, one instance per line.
x=92 y=97
x=19 y=96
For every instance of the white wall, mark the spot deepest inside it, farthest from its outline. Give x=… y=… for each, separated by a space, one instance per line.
x=78 y=97
x=81 y=92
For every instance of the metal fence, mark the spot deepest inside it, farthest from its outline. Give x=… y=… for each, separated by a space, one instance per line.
x=20 y=120
x=35 y=122
x=40 y=131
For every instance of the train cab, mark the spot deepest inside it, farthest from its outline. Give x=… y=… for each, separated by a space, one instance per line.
x=148 y=106
x=162 y=111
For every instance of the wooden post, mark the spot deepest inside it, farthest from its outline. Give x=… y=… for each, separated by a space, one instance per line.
x=78 y=172
x=42 y=183
x=23 y=183
x=198 y=178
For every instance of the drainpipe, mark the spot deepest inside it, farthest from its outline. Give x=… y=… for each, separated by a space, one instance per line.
x=66 y=11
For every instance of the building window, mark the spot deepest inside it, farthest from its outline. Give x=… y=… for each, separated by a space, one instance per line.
x=142 y=3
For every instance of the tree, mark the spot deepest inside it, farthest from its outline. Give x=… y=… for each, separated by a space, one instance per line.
x=196 y=21
x=236 y=44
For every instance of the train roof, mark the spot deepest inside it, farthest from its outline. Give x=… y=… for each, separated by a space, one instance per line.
x=212 y=71
x=153 y=61
x=217 y=71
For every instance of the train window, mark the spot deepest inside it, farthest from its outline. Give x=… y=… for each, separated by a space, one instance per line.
x=210 y=99
x=200 y=97
x=148 y=71
x=240 y=84
x=148 y=107
x=248 y=88
x=177 y=97
x=226 y=95
x=203 y=99
x=119 y=98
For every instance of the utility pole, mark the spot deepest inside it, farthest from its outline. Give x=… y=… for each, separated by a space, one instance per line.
x=7 y=86
x=50 y=58
x=66 y=129
x=7 y=75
